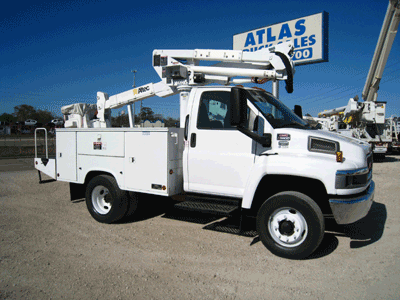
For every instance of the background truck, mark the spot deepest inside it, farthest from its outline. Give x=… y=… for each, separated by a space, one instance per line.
x=367 y=120
x=239 y=150
x=393 y=123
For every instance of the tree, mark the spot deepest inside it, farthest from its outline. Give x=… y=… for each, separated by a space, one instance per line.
x=170 y=122
x=23 y=112
x=146 y=114
x=9 y=118
x=43 y=116
x=120 y=121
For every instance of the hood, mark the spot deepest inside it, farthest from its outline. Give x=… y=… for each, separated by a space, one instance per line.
x=293 y=140
x=343 y=139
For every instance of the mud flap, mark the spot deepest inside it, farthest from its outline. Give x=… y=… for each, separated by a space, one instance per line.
x=77 y=191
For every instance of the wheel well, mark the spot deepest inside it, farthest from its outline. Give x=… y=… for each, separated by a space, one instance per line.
x=273 y=184
x=92 y=174
x=78 y=191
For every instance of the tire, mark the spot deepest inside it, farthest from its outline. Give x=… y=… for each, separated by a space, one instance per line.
x=291 y=225
x=133 y=204
x=106 y=202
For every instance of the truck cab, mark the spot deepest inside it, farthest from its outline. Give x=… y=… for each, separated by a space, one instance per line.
x=246 y=144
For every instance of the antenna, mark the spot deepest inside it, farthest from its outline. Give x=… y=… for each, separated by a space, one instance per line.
x=134 y=78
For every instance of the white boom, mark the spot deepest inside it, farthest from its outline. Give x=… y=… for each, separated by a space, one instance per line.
x=366 y=120
x=179 y=70
x=382 y=50
x=378 y=63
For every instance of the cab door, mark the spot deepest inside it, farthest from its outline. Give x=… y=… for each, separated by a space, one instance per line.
x=219 y=158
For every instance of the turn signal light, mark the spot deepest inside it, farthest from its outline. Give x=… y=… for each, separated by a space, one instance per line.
x=339 y=156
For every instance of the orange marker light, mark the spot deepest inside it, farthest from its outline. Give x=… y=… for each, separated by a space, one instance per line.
x=339 y=156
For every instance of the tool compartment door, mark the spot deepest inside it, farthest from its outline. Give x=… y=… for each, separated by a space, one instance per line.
x=101 y=143
x=66 y=156
x=146 y=161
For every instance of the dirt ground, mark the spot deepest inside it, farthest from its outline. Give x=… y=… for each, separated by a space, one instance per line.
x=51 y=248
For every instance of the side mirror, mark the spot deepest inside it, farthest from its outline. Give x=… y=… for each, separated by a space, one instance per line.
x=238 y=107
x=298 y=111
x=266 y=140
x=238 y=116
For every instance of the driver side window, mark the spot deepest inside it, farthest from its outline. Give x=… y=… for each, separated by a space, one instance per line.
x=213 y=110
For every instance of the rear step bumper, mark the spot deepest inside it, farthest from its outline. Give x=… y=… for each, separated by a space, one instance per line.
x=47 y=166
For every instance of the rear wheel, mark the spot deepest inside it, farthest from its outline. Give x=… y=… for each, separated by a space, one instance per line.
x=106 y=202
x=290 y=224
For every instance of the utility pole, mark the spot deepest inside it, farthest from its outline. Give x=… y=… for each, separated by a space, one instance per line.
x=132 y=116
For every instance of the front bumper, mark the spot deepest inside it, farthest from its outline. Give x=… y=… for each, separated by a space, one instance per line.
x=380 y=150
x=351 y=209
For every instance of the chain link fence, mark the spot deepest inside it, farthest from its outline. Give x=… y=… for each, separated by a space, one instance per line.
x=16 y=146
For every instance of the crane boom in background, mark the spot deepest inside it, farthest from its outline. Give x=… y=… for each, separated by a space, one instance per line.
x=382 y=51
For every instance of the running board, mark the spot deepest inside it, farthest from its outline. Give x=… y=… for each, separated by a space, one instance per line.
x=205 y=204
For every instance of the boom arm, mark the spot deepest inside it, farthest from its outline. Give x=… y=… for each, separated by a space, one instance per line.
x=179 y=70
x=382 y=50
x=105 y=102
x=182 y=67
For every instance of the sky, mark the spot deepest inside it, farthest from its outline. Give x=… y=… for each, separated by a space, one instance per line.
x=55 y=53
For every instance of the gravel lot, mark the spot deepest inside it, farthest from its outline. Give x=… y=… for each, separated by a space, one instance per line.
x=51 y=248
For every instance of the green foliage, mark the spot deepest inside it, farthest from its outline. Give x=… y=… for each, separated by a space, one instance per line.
x=120 y=121
x=24 y=112
x=146 y=114
x=43 y=116
x=9 y=118
x=170 y=122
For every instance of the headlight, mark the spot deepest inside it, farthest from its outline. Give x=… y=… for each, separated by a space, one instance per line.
x=323 y=145
x=350 y=179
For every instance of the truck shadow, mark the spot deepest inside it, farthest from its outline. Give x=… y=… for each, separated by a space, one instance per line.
x=386 y=159
x=148 y=207
x=151 y=206
x=362 y=233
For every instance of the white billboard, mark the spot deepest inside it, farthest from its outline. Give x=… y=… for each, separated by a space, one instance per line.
x=308 y=34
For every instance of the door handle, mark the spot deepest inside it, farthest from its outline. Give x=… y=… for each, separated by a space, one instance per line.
x=193 y=140
x=186 y=130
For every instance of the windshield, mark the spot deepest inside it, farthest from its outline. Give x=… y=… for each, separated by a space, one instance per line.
x=277 y=114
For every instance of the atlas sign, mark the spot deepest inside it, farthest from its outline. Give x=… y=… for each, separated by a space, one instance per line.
x=309 y=36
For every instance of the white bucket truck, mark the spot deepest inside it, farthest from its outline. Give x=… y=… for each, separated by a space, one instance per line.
x=366 y=120
x=238 y=149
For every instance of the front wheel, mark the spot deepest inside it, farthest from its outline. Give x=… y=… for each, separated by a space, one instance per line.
x=290 y=225
x=106 y=202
